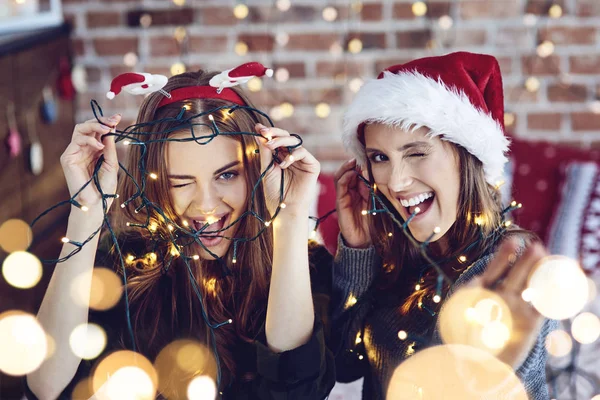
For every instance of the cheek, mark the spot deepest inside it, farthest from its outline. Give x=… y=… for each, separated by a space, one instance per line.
x=180 y=200
x=235 y=194
x=381 y=175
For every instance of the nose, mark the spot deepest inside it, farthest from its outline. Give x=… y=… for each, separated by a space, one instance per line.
x=400 y=178
x=206 y=199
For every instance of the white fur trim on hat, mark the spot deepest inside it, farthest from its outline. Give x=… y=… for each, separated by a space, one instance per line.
x=410 y=100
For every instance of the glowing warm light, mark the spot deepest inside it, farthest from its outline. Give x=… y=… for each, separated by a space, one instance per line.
x=102 y=292
x=126 y=142
x=65 y=240
x=287 y=109
x=402 y=335
x=153 y=176
x=282 y=75
x=351 y=301
x=15 y=235
x=125 y=375
x=356 y=6
x=240 y=11
x=355 y=46
x=170 y=227
x=178 y=68
x=283 y=205
x=437 y=298
x=23 y=344
x=445 y=22
x=85 y=208
x=313 y=234
x=527 y=295
x=532 y=84
x=196 y=257
x=322 y=110
x=499 y=184
x=390 y=234
x=255 y=84
x=507 y=223
x=560 y=287
x=153 y=226
x=476 y=317
x=267 y=223
x=22 y=270
x=509 y=119
x=437 y=229
x=241 y=48
x=529 y=19
x=364 y=212
x=555 y=11
x=355 y=84
x=179 y=2
x=284 y=5
x=559 y=343
x=545 y=49
x=462 y=259
x=145 y=20
x=417 y=287
x=358 y=339
x=360 y=357
x=418 y=210
x=419 y=8
x=185 y=223
x=462 y=372
x=282 y=38
x=87 y=341
x=180 y=34
x=586 y=328
x=330 y=14
x=336 y=49
x=202 y=388
x=130 y=59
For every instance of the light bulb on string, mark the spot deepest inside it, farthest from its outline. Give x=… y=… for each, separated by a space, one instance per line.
x=545 y=49
x=283 y=5
x=240 y=11
x=419 y=8
x=145 y=20
x=355 y=46
x=282 y=75
x=241 y=48
x=330 y=14
x=532 y=84
x=178 y=68
x=322 y=110
x=555 y=11
x=445 y=22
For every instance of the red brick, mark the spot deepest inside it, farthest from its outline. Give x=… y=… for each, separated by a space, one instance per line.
x=383 y=64
x=115 y=46
x=541 y=7
x=331 y=69
x=164 y=46
x=417 y=39
x=472 y=9
x=567 y=93
x=585 y=64
x=218 y=16
x=330 y=96
x=103 y=19
x=177 y=16
x=438 y=9
x=208 y=44
x=369 y=40
x=544 y=121
x=311 y=41
x=276 y=96
x=588 y=8
x=258 y=41
x=569 y=35
x=469 y=37
x=78 y=46
x=585 y=121
x=511 y=37
x=295 y=69
x=506 y=65
x=534 y=65
x=403 y=11
x=518 y=94
x=371 y=12
x=294 y=14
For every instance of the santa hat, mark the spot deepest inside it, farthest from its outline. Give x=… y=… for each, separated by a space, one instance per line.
x=239 y=75
x=457 y=97
x=136 y=83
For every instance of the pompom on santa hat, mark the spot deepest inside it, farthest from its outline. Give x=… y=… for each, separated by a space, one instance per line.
x=457 y=96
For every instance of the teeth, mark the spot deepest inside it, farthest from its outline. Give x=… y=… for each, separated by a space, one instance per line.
x=416 y=200
x=209 y=221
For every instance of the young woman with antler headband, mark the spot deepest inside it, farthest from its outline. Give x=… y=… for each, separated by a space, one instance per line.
x=215 y=249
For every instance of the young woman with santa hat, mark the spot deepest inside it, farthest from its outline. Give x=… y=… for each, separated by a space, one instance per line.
x=270 y=343
x=429 y=139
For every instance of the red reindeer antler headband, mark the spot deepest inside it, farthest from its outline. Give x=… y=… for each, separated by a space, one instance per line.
x=135 y=83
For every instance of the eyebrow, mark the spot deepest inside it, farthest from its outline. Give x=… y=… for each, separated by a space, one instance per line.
x=217 y=172
x=403 y=148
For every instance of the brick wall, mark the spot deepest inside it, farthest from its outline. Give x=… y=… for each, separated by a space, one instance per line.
x=555 y=96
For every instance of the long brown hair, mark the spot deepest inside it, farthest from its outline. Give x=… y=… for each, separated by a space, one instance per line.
x=478 y=216
x=163 y=302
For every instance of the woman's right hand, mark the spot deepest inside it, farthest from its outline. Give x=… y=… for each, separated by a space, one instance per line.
x=81 y=155
x=352 y=197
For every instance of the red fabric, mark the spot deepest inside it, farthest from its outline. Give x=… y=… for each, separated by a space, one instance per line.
x=249 y=69
x=201 y=92
x=536 y=180
x=477 y=75
x=125 y=79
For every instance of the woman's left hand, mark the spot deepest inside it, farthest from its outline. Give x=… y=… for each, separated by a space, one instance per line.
x=507 y=276
x=301 y=170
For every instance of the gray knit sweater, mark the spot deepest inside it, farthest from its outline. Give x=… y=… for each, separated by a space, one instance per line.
x=374 y=317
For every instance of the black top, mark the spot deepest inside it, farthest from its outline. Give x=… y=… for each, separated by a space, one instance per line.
x=306 y=372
